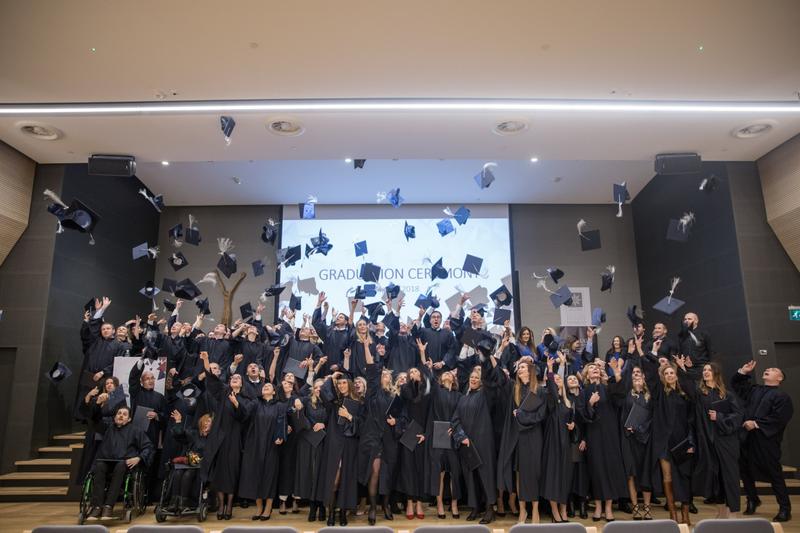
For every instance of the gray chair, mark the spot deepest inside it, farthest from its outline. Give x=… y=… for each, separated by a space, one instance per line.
x=645 y=526
x=165 y=529
x=572 y=527
x=466 y=528
x=360 y=529
x=260 y=529
x=734 y=525
x=91 y=528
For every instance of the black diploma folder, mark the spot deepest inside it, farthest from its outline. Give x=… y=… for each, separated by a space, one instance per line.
x=409 y=438
x=441 y=436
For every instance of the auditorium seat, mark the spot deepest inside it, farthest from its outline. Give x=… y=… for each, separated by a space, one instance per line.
x=645 y=526
x=260 y=529
x=571 y=527
x=734 y=525
x=360 y=529
x=466 y=528
x=91 y=528
x=165 y=529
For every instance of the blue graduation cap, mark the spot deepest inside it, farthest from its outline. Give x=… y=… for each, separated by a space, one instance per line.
x=598 y=316
x=307 y=210
x=438 y=271
x=370 y=272
x=392 y=291
x=361 y=248
x=409 y=231
x=462 y=215
x=485 y=177
x=258 y=267
x=472 y=264
x=562 y=296
x=394 y=197
x=445 y=227
x=226 y=124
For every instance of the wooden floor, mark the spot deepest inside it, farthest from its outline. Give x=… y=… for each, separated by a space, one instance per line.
x=19 y=517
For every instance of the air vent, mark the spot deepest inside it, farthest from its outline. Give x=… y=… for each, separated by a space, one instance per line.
x=756 y=129
x=40 y=131
x=510 y=127
x=285 y=128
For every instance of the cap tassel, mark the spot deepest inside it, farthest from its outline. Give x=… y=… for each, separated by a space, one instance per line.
x=225 y=245
x=542 y=284
x=619 y=212
x=91 y=240
x=673 y=283
x=192 y=221
x=211 y=278
x=685 y=221
x=153 y=252
x=582 y=226
x=54 y=198
x=381 y=197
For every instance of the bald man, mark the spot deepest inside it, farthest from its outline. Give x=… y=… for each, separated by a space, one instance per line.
x=768 y=411
x=694 y=341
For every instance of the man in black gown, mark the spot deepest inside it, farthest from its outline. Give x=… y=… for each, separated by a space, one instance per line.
x=767 y=413
x=695 y=343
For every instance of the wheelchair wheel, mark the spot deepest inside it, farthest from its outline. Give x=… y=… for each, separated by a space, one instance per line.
x=139 y=494
x=160 y=516
x=202 y=512
x=86 y=495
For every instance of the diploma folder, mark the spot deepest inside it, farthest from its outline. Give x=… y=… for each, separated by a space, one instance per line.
x=314 y=437
x=637 y=416
x=441 y=435
x=469 y=456
x=409 y=438
x=352 y=407
x=140 y=420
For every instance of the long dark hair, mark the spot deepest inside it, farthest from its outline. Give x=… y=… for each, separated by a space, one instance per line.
x=621 y=345
x=530 y=344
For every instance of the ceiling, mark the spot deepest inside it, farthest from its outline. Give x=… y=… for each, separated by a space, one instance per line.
x=732 y=50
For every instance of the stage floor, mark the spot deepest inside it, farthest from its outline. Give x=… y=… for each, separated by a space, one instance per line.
x=19 y=517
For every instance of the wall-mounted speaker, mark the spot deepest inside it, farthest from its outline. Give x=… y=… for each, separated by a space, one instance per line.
x=112 y=165
x=678 y=163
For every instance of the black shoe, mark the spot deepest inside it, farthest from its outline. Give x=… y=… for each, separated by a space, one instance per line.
x=583 y=512
x=709 y=501
x=488 y=516
x=597 y=518
x=473 y=515
x=342 y=517
x=371 y=515
x=626 y=507
x=752 y=505
x=570 y=509
x=94 y=514
x=387 y=512
x=265 y=517
x=784 y=515
x=244 y=504
x=321 y=513
x=331 y=516
x=255 y=517
x=220 y=516
x=312 y=511
x=692 y=508
x=228 y=516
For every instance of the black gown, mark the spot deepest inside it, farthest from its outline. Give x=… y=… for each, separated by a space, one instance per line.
x=521 y=443
x=413 y=464
x=288 y=450
x=442 y=406
x=402 y=353
x=99 y=418
x=580 y=469
x=638 y=462
x=340 y=451
x=309 y=457
x=603 y=447
x=266 y=422
x=224 y=446
x=556 y=478
x=99 y=356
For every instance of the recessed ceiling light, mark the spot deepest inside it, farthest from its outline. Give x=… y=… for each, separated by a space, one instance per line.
x=165 y=163
x=754 y=129
x=700 y=48
x=534 y=159
x=40 y=130
x=285 y=128
x=348 y=160
x=93 y=49
x=510 y=127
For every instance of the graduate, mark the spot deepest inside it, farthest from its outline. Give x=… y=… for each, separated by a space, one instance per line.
x=216 y=343
x=185 y=481
x=336 y=336
x=767 y=412
x=98 y=407
x=295 y=421
x=415 y=394
x=579 y=485
x=309 y=448
x=100 y=346
x=694 y=342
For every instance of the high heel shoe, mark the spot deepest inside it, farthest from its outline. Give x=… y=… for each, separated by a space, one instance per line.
x=342 y=517
x=266 y=517
x=220 y=516
x=331 y=516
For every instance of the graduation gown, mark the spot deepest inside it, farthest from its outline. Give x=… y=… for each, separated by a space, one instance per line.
x=413 y=464
x=440 y=342
x=252 y=352
x=635 y=457
x=99 y=418
x=443 y=404
x=288 y=450
x=604 y=449
x=580 y=469
x=556 y=480
x=125 y=442
x=98 y=356
x=695 y=343
x=402 y=353
x=224 y=446
x=220 y=351
x=341 y=450
x=266 y=422
x=151 y=399
x=334 y=340
x=521 y=443
x=309 y=457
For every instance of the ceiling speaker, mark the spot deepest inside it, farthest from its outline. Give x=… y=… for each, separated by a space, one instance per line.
x=112 y=165
x=678 y=163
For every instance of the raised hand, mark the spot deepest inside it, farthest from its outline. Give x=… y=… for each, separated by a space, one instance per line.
x=233 y=399
x=106 y=302
x=464 y=298
x=298 y=405
x=748 y=367
x=260 y=308
x=238 y=358
x=321 y=298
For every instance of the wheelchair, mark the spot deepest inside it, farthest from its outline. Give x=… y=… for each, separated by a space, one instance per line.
x=133 y=493
x=200 y=509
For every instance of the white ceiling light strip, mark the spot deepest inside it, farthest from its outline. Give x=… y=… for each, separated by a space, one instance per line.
x=388 y=105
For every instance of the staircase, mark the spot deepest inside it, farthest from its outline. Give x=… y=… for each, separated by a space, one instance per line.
x=45 y=478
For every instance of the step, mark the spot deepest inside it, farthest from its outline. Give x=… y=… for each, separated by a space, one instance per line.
x=68 y=438
x=43 y=465
x=32 y=479
x=33 y=494
x=54 y=452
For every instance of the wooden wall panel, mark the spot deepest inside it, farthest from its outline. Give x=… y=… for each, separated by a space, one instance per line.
x=780 y=182
x=16 y=187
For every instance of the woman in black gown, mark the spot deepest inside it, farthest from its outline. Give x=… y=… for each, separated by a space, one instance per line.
x=266 y=433
x=604 y=452
x=98 y=407
x=579 y=486
x=309 y=452
x=295 y=422
x=520 y=452
x=718 y=419
x=221 y=466
x=185 y=485
x=411 y=477
x=557 y=453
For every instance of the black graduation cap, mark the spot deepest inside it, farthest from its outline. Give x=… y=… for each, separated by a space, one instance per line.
x=462 y=215
x=668 y=305
x=360 y=248
x=78 y=216
x=620 y=194
x=562 y=296
x=472 y=264
x=226 y=124
x=358 y=163
x=139 y=251
x=607 y=279
x=633 y=316
x=187 y=290
x=359 y=293
x=485 y=177
x=555 y=274
x=227 y=264
x=258 y=267
x=269 y=232
x=177 y=261
x=392 y=291
x=375 y=310
x=149 y=290
x=391 y=321
x=169 y=285
x=370 y=272
x=247 y=311
x=169 y=305
x=445 y=227
x=202 y=305
x=423 y=301
x=438 y=271
x=598 y=316
x=709 y=184
x=289 y=256
x=319 y=244
x=58 y=373
x=193 y=236
x=486 y=344
x=590 y=240
x=500 y=316
x=176 y=232
x=502 y=297
x=552 y=342
x=295 y=302
x=273 y=290
x=89 y=306
x=409 y=231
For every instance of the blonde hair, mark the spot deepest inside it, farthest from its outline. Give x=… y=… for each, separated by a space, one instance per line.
x=315 y=399
x=667 y=388
x=203 y=419
x=391 y=388
x=585 y=373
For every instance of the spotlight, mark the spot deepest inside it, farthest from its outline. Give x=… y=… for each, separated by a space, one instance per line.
x=165 y=163
x=348 y=160
x=534 y=159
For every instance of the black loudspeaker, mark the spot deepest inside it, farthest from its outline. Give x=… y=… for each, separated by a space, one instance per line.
x=112 y=165
x=678 y=163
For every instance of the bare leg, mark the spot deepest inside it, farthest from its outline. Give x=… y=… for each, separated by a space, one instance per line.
x=609 y=510
x=563 y=511
x=555 y=511
x=453 y=502
x=439 y=496
x=501 y=507
x=512 y=502
x=535 y=508
x=598 y=509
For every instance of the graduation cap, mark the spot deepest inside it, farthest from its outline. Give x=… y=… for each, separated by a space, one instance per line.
x=462 y=215
x=370 y=272
x=391 y=321
x=226 y=124
x=590 y=239
x=156 y=200
x=709 y=184
x=472 y=264
x=361 y=248
x=77 y=216
x=187 y=290
x=289 y=256
x=500 y=316
x=258 y=267
x=58 y=373
x=670 y=304
x=89 y=306
x=555 y=274
x=247 y=311
x=563 y=296
x=367 y=291
x=392 y=291
x=140 y=250
x=193 y=236
x=485 y=177
x=633 y=316
x=319 y=244
x=438 y=271
x=502 y=296
x=427 y=300
x=269 y=232
x=598 y=317
x=227 y=264
x=169 y=285
x=480 y=309
x=620 y=193
x=678 y=229
x=202 y=305
x=308 y=210
x=169 y=305
x=176 y=232
x=607 y=278
x=486 y=344
x=149 y=290
x=295 y=302
x=409 y=231
x=273 y=290
x=552 y=343
x=358 y=163
x=177 y=261
x=394 y=197
x=445 y=227
x=375 y=310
